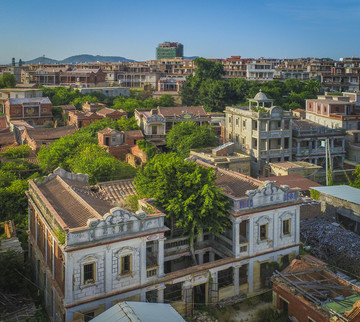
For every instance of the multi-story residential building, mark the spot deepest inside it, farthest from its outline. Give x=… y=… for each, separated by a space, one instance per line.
x=13 y=70
x=137 y=75
x=235 y=66
x=6 y=93
x=224 y=157
x=333 y=112
x=83 y=77
x=169 y=50
x=263 y=132
x=168 y=85
x=88 y=254
x=307 y=143
x=156 y=123
x=172 y=67
x=258 y=70
x=35 y=111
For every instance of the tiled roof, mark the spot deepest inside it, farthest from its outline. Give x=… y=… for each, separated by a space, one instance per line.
x=294 y=181
x=69 y=107
x=305 y=125
x=50 y=133
x=170 y=111
x=105 y=111
x=135 y=134
x=116 y=191
x=107 y=131
x=73 y=201
x=42 y=100
x=233 y=184
x=7 y=138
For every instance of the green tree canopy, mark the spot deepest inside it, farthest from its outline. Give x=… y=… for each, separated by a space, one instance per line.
x=208 y=69
x=166 y=100
x=7 y=81
x=99 y=165
x=356 y=174
x=187 y=192
x=188 y=135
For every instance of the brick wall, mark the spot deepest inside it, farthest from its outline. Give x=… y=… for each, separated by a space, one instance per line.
x=297 y=306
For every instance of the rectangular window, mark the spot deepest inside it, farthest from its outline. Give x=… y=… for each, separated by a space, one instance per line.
x=244 y=124
x=237 y=121
x=154 y=129
x=125 y=265
x=263 y=232
x=286 y=227
x=89 y=273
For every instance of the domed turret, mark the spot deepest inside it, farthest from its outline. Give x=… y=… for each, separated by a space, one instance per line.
x=261 y=99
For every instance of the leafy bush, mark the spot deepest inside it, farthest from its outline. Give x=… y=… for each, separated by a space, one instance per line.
x=270 y=314
x=17 y=152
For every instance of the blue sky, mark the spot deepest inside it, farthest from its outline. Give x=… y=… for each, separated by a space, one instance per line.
x=212 y=29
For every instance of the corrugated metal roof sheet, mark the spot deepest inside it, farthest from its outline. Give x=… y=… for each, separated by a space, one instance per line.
x=139 y=311
x=347 y=193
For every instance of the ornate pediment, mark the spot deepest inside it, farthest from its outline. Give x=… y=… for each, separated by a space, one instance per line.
x=116 y=216
x=269 y=193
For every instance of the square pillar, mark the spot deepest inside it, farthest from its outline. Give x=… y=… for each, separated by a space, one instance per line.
x=236 y=280
x=251 y=236
x=160 y=295
x=161 y=257
x=143 y=262
x=251 y=276
x=236 y=239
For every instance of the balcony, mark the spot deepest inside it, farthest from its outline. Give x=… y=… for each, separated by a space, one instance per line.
x=176 y=244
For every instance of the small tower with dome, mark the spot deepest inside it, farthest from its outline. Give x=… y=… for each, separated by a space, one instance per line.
x=261 y=100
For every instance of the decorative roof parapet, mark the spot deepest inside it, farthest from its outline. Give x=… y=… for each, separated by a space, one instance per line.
x=84 y=178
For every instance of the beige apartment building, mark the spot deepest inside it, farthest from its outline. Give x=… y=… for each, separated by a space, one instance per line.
x=263 y=132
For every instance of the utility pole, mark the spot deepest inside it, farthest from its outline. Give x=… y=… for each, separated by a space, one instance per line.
x=328 y=163
x=327 y=166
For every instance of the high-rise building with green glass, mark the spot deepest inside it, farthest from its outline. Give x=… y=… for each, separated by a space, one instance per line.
x=169 y=50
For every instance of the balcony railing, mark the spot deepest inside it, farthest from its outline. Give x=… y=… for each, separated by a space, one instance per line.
x=151 y=272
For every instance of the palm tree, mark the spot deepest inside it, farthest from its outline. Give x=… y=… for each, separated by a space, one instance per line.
x=313 y=86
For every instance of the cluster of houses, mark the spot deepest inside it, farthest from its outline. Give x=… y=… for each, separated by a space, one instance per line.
x=89 y=252
x=167 y=75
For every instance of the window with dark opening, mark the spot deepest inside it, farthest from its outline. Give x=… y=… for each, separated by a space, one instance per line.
x=89 y=273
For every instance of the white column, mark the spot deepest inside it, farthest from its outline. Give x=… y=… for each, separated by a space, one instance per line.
x=46 y=248
x=160 y=295
x=236 y=239
x=236 y=280
x=251 y=236
x=161 y=257
x=251 y=276
x=276 y=232
x=143 y=262
x=108 y=270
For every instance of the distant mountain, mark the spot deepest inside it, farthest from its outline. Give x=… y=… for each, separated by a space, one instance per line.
x=77 y=59
x=190 y=57
x=42 y=60
x=93 y=59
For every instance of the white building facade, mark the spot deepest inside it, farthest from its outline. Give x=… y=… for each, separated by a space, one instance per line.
x=88 y=254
